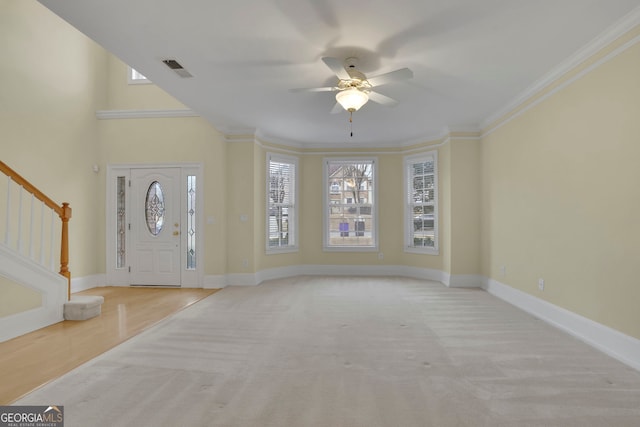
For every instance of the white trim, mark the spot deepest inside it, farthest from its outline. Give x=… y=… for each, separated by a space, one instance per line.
x=470 y=128
x=464 y=280
x=408 y=213
x=395 y=144
x=27 y=321
x=217 y=281
x=374 y=270
x=325 y=204
x=79 y=284
x=279 y=273
x=121 y=277
x=153 y=165
x=238 y=133
x=144 y=114
x=52 y=287
x=295 y=161
x=614 y=343
x=425 y=145
x=192 y=278
x=242 y=279
x=248 y=279
x=623 y=26
x=115 y=276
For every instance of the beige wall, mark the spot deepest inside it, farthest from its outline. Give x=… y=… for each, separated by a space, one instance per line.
x=15 y=297
x=240 y=205
x=53 y=85
x=560 y=196
x=464 y=215
x=50 y=87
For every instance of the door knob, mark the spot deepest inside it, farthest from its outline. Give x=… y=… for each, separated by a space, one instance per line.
x=176 y=225
x=175 y=233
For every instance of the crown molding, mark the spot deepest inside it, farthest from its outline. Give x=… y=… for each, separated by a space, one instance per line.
x=623 y=26
x=144 y=114
x=239 y=138
x=523 y=108
x=458 y=132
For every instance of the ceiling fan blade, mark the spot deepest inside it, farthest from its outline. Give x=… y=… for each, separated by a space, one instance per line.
x=314 y=89
x=382 y=99
x=393 y=76
x=337 y=67
x=337 y=109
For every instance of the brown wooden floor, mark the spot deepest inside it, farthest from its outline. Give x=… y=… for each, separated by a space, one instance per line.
x=31 y=360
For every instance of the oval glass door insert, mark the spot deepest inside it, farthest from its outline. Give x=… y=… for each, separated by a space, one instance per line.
x=154 y=208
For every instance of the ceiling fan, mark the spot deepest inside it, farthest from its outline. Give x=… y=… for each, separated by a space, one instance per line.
x=354 y=88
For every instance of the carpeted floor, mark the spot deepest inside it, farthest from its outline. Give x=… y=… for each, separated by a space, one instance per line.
x=333 y=352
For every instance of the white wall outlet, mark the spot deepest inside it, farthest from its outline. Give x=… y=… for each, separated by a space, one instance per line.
x=541 y=284
x=245 y=263
x=211 y=220
x=380 y=255
x=503 y=270
x=244 y=217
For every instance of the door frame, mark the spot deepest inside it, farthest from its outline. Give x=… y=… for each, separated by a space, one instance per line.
x=115 y=276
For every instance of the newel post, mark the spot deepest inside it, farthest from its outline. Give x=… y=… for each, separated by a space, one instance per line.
x=65 y=216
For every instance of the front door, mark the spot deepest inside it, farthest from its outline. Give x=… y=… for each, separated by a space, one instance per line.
x=155 y=227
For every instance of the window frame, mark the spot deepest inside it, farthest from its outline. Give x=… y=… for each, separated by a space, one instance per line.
x=409 y=204
x=293 y=231
x=327 y=203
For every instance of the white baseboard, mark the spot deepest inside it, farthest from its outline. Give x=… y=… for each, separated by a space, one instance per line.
x=614 y=343
x=372 y=270
x=88 y=282
x=28 y=321
x=249 y=279
x=242 y=279
x=280 y=273
x=464 y=281
x=214 y=282
x=52 y=287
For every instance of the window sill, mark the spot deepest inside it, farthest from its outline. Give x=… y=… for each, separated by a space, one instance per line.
x=350 y=249
x=287 y=250
x=422 y=251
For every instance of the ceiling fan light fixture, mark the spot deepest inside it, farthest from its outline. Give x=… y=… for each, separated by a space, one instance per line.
x=352 y=99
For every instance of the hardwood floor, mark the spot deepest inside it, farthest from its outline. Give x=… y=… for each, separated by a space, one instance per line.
x=31 y=360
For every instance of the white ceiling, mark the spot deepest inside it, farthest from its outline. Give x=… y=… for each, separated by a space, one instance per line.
x=470 y=58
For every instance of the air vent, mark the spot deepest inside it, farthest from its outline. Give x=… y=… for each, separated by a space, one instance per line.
x=175 y=66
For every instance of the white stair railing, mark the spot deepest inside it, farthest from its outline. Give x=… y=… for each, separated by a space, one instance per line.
x=28 y=239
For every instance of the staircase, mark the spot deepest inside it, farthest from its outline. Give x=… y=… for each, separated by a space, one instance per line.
x=34 y=255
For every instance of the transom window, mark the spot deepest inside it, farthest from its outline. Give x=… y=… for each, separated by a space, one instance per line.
x=135 y=77
x=281 y=203
x=350 y=210
x=421 y=208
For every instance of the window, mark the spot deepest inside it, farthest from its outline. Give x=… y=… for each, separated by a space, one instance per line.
x=154 y=208
x=135 y=77
x=281 y=203
x=121 y=222
x=191 y=222
x=350 y=214
x=421 y=208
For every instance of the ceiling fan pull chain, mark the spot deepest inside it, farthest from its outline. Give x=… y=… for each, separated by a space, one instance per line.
x=351 y=122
